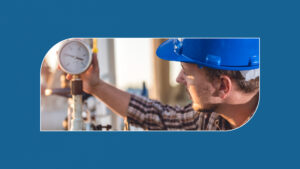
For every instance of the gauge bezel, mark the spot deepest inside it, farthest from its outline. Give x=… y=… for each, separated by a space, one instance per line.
x=66 y=43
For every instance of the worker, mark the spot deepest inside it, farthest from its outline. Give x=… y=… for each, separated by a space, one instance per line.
x=220 y=75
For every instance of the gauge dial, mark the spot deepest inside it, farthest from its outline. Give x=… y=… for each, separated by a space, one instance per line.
x=74 y=57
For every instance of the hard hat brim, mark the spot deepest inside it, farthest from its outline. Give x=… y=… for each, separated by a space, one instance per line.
x=166 y=52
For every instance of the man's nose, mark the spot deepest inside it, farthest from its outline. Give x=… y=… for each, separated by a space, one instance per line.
x=180 y=78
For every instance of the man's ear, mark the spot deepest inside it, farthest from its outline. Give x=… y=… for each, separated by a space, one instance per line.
x=225 y=86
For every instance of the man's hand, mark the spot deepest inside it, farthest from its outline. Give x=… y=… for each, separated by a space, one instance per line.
x=90 y=78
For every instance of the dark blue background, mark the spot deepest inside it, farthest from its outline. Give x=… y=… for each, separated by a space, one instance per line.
x=28 y=29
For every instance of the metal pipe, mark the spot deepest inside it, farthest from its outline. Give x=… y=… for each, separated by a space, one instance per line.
x=70 y=110
x=76 y=91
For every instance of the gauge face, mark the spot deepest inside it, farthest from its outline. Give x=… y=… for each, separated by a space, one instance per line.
x=74 y=57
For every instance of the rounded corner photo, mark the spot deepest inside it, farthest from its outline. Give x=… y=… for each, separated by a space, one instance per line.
x=150 y=84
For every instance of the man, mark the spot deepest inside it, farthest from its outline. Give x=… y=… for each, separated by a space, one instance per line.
x=220 y=75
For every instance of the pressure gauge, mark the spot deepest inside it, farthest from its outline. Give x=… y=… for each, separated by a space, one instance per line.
x=74 y=57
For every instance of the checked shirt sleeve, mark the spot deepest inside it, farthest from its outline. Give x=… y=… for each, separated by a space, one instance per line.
x=153 y=115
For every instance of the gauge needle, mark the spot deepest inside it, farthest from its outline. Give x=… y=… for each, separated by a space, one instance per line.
x=70 y=55
x=78 y=58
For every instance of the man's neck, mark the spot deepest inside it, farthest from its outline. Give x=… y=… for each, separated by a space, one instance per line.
x=239 y=114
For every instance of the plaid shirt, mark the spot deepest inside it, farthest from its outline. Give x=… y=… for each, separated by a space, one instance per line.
x=153 y=115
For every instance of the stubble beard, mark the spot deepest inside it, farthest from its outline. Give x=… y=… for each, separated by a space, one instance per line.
x=201 y=108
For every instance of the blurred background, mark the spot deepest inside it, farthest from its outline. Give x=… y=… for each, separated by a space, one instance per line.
x=129 y=64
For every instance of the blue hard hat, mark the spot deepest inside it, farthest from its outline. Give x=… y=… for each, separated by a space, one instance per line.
x=224 y=54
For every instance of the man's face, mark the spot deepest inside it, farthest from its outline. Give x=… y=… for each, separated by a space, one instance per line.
x=200 y=89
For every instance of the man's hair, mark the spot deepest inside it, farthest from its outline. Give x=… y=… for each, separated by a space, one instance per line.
x=245 y=86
